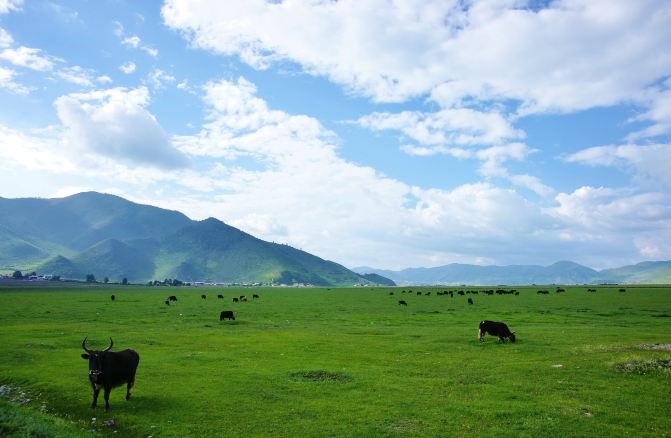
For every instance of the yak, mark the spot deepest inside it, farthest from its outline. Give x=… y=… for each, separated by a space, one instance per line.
x=470 y=301
x=226 y=314
x=494 y=328
x=402 y=303
x=109 y=369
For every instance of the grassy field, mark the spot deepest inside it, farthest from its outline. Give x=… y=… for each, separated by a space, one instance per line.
x=346 y=362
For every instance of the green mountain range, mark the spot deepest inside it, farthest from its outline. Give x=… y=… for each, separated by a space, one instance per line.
x=108 y=236
x=564 y=272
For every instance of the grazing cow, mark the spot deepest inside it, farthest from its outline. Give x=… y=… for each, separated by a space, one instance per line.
x=167 y=302
x=622 y=290
x=461 y=292
x=255 y=296
x=470 y=301
x=109 y=369
x=391 y=293
x=113 y=298
x=220 y=296
x=494 y=328
x=542 y=292
x=591 y=290
x=235 y=300
x=402 y=303
x=427 y=294
x=243 y=298
x=172 y=298
x=559 y=290
x=203 y=296
x=419 y=293
x=227 y=314
x=517 y=293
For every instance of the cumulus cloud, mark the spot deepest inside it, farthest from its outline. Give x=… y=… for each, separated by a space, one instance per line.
x=127 y=68
x=158 y=78
x=647 y=163
x=10 y=5
x=28 y=57
x=6 y=39
x=7 y=81
x=76 y=75
x=564 y=56
x=133 y=41
x=115 y=123
x=658 y=100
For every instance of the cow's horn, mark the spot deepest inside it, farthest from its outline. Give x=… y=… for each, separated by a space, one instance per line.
x=84 y=345
x=111 y=343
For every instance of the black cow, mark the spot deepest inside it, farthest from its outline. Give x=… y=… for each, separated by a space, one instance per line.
x=220 y=296
x=113 y=298
x=235 y=300
x=494 y=328
x=516 y=293
x=622 y=290
x=255 y=296
x=419 y=293
x=391 y=293
x=167 y=302
x=172 y=298
x=227 y=314
x=427 y=294
x=470 y=301
x=559 y=290
x=591 y=290
x=461 y=292
x=203 y=296
x=109 y=369
x=402 y=303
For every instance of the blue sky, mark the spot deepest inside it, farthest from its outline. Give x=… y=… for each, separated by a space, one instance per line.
x=378 y=133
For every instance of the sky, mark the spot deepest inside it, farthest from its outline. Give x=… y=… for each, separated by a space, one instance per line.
x=388 y=134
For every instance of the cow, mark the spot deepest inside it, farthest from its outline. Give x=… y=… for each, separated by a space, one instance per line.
x=255 y=296
x=235 y=300
x=427 y=294
x=542 y=292
x=227 y=314
x=591 y=290
x=559 y=290
x=167 y=302
x=172 y=298
x=220 y=296
x=113 y=298
x=461 y=292
x=203 y=296
x=243 y=298
x=622 y=290
x=470 y=301
x=494 y=328
x=391 y=293
x=109 y=369
x=402 y=303
x=516 y=293
x=419 y=293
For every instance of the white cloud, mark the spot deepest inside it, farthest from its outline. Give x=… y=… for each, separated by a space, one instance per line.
x=10 y=5
x=658 y=100
x=115 y=123
x=7 y=81
x=104 y=79
x=127 y=68
x=149 y=50
x=28 y=57
x=76 y=75
x=6 y=39
x=131 y=41
x=455 y=126
x=158 y=78
x=649 y=163
x=566 y=56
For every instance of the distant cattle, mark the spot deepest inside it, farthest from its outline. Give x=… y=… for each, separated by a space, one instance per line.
x=391 y=293
x=427 y=294
x=167 y=302
x=622 y=290
x=113 y=297
x=235 y=300
x=220 y=296
x=542 y=292
x=203 y=296
x=461 y=292
x=591 y=290
x=559 y=290
x=227 y=314
x=172 y=298
x=419 y=293
x=517 y=293
x=402 y=303
x=243 y=298
x=402 y=291
x=470 y=301
x=494 y=328
x=255 y=296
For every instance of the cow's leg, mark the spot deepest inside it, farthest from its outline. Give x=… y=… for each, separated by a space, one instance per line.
x=131 y=382
x=108 y=389
x=481 y=335
x=96 y=391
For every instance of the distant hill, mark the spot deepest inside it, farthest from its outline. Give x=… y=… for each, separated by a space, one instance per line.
x=376 y=278
x=564 y=272
x=109 y=236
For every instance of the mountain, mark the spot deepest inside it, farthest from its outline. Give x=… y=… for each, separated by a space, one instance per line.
x=109 y=236
x=376 y=278
x=563 y=272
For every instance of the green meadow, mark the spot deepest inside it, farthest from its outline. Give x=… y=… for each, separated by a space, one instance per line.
x=341 y=362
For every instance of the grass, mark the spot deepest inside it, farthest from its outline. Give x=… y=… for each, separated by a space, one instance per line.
x=347 y=362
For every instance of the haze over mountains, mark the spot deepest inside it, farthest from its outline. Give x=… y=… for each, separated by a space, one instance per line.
x=109 y=236
x=564 y=272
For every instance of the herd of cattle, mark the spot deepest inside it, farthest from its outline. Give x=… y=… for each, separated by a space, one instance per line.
x=109 y=369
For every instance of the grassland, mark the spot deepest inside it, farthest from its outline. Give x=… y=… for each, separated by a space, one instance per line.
x=347 y=362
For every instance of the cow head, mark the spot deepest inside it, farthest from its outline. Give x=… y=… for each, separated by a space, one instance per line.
x=95 y=360
x=512 y=337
